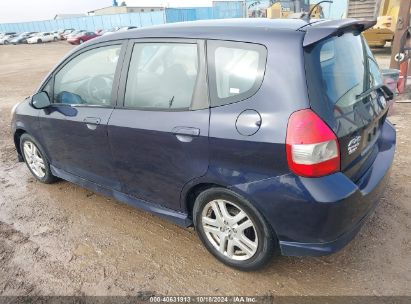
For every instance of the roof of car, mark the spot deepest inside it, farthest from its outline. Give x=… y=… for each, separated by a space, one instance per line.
x=240 y=29
x=229 y=28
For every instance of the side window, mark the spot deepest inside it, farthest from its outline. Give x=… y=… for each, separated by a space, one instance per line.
x=236 y=70
x=162 y=76
x=88 y=78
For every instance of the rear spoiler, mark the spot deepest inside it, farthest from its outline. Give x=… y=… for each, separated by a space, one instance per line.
x=323 y=29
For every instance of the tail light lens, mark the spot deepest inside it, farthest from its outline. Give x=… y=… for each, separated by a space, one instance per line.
x=312 y=147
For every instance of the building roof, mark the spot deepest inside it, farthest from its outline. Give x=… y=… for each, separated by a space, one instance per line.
x=64 y=16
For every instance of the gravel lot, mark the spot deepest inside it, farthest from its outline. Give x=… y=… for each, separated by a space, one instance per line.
x=61 y=239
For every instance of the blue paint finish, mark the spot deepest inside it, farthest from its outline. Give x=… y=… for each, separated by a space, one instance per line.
x=152 y=162
x=176 y=217
x=76 y=148
x=304 y=211
x=153 y=159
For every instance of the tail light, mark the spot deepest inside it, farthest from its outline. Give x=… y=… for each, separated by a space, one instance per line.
x=312 y=147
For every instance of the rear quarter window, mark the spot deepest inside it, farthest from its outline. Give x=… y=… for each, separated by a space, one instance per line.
x=236 y=70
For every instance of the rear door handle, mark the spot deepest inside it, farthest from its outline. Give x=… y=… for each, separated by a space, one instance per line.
x=186 y=134
x=92 y=122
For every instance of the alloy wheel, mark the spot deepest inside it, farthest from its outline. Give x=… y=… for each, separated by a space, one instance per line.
x=229 y=229
x=34 y=159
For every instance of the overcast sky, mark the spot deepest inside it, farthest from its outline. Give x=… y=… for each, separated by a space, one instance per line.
x=30 y=10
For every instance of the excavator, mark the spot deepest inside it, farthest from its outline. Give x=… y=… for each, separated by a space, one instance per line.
x=384 y=11
x=292 y=9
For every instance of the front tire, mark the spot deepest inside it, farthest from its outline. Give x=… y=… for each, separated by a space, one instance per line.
x=39 y=41
x=35 y=159
x=233 y=230
x=81 y=41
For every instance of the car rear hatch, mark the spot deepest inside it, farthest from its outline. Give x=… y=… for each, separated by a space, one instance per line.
x=346 y=91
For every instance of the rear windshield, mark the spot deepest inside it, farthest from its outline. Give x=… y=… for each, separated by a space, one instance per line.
x=340 y=72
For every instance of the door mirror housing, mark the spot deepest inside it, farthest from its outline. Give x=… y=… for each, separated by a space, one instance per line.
x=40 y=100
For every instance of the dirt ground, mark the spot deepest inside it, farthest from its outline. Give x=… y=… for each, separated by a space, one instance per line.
x=61 y=239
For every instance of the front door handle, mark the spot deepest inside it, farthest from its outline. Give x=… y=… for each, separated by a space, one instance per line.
x=186 y=134
x=92 y=122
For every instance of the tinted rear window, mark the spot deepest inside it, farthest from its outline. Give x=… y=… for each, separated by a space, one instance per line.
x=339 y=71
x=236 y=70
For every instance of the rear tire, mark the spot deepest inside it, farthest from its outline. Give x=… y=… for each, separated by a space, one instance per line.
x=220 y=217
x=36 y=159
x=55 y=38
x=6 y=42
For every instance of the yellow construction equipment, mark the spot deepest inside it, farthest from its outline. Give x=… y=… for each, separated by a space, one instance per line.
x=291 y=8
x=383 y=31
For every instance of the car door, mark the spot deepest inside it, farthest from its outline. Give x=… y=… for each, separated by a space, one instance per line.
x=83 y=91
x=46 y=37
x=159 y=137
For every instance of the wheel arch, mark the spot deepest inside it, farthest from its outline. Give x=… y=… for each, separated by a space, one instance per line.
x=17 y=135
x=192 y=193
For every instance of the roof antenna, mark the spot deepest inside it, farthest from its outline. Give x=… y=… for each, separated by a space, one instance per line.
x=308 y=16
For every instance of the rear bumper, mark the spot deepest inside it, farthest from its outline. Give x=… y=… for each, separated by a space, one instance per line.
x=318 y=216
x=325 y=248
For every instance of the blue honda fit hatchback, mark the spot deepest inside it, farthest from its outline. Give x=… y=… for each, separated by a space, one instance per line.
x=266 y=135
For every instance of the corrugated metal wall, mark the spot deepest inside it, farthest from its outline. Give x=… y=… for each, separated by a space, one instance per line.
x=91 y=23
x=188 y=14
x=228 y=9
x=220 y=9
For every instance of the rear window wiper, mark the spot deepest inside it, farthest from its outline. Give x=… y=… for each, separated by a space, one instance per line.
x=388 y=94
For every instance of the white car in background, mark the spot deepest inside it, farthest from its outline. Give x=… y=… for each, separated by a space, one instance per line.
x=42 y=37
x=6 y=39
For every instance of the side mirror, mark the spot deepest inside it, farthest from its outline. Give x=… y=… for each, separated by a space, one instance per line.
x=40 y=100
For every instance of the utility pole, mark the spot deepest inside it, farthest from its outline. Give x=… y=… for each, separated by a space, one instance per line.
x=399 y=56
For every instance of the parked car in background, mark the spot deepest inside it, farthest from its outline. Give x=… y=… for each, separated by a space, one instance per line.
x=56 y=34
x=7 y=38
x=74 y=33
x=82 y=37
x=110 y=31
x=7 y=33
x=100 y=31
x=126 y=28
x=206 y=127
x=22 y=38
x=42 y=37
x=66 y=32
